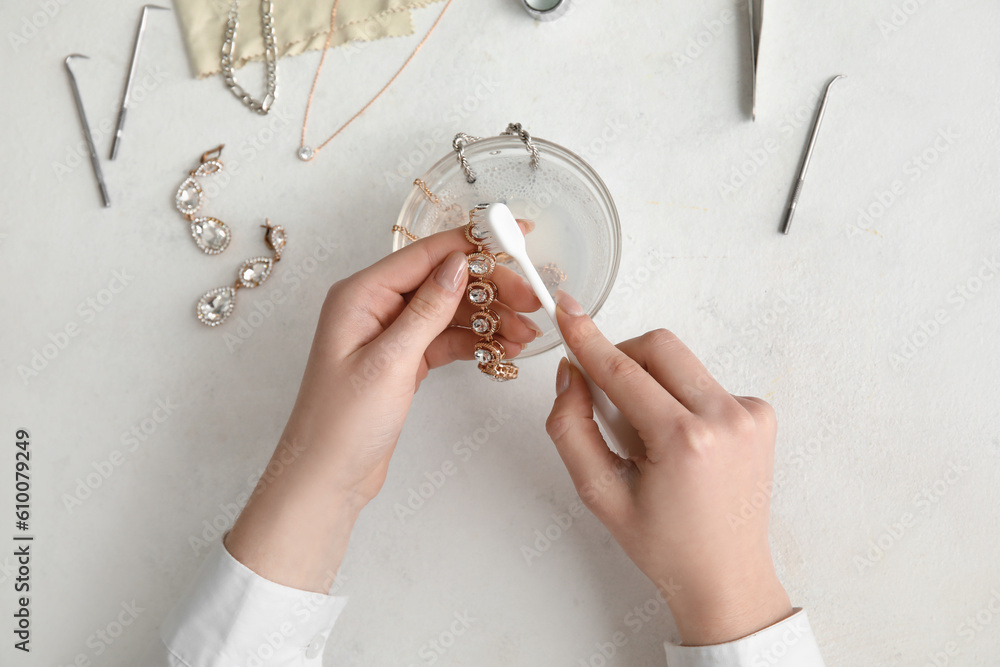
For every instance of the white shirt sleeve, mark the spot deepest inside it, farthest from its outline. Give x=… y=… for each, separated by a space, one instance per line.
x=789 y=643
x=232 y=617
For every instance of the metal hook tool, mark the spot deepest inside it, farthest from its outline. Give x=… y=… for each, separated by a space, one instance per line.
x=86 y=130
x=755 y=15
x=131 y=77
x=797 y=190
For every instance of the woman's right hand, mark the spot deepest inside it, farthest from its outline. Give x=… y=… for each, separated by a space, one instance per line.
x=680 y=510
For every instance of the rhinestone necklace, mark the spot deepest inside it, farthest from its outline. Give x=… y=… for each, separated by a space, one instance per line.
x=306 y=152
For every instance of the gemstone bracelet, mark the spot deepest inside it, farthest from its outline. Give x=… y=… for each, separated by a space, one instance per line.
x=482 y=292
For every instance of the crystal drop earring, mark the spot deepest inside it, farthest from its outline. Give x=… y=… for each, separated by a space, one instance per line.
x=216 y=305
x=211 y=235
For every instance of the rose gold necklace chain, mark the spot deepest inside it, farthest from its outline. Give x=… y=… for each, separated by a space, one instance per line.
x=306 y=152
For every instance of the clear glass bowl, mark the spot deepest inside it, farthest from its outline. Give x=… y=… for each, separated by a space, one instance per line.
x=576 y=244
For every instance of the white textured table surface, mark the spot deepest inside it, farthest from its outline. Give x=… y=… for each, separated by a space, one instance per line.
x=872 y=334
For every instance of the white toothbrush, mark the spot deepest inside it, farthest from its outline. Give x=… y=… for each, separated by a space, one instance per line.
x=503 y=235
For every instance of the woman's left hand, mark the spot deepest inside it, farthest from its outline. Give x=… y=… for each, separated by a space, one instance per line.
x=379 y=334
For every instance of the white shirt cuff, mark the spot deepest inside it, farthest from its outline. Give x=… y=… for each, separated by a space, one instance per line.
x=232 y=617
x=789 y=643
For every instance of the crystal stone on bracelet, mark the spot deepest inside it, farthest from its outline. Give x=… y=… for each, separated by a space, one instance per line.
x=479 y=265
x=481 y=325
x=479 y=295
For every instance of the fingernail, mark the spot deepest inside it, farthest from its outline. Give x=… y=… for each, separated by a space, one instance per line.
x=529 y=225
x=530 y=323
x=562 y=376
x=568 y=304
x=451 y=274
x=527 y=286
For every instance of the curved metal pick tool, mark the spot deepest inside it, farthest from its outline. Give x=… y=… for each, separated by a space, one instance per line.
x=94 y=161
x=797 y=190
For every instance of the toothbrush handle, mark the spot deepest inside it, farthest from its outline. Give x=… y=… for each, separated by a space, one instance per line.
x=623 y=435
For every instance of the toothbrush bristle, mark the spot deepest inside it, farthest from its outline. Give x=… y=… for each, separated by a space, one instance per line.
x=477 y=216
x=491 y=244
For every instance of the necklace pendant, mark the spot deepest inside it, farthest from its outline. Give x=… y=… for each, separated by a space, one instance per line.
x=305 y=153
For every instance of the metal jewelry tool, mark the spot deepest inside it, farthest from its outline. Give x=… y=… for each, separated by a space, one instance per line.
x=131 y=77
x=545 y=10
x=797 y=190
x=755 y=12
x=86 y=130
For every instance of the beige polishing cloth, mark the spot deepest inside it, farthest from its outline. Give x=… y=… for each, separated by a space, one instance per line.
x=299 y=25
